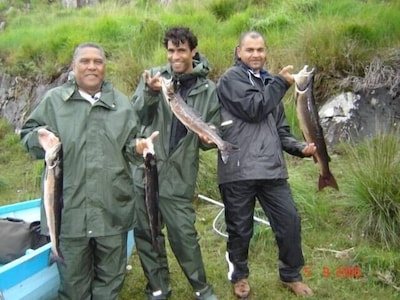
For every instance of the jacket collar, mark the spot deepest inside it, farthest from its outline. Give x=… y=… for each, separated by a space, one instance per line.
x=107 y=95
x=264 y=75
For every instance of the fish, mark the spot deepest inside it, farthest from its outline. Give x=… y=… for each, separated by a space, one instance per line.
x=192 y=119
x=53 y=200
x=310 y=126
x=152 y=198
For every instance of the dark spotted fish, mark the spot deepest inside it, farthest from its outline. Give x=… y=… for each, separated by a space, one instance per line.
x=53 y=200
x=192 y=120
x=152 y=198
x=308 y=117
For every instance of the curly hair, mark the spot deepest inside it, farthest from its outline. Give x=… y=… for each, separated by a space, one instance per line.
x=179 y=35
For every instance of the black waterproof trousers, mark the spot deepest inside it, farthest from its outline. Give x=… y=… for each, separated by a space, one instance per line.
x=276 y=200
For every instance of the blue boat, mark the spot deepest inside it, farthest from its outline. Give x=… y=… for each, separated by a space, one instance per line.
x=31 y=276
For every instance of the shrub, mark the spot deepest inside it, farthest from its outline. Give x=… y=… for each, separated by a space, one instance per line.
x=223 y=9
x=374 y=192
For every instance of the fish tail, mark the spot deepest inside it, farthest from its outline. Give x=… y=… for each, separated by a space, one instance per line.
x=325 y=181
x=57 y=257
x=227 y=148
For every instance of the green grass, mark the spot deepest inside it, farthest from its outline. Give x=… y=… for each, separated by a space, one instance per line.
x=335 y=248
x=376 y=198
x=337 y=37
x=19 y=175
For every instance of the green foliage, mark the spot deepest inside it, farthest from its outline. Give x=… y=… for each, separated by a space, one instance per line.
x=223 y=9
x=306 y=7
x=272 y=22
x=5 y=127
x=19 y=176
x=374 y=188
x=336 y=37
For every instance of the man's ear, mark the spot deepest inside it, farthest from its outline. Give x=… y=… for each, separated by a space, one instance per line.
x=195 y=54
x=236 y=53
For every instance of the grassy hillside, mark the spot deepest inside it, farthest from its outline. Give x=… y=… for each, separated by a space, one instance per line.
x=350 y=237
x=337 y=37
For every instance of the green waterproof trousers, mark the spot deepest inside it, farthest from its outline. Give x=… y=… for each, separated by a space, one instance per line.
x=179 y=218
x=94 y=267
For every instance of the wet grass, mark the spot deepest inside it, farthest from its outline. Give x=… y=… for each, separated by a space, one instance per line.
x=341 y=261
x=339 y=38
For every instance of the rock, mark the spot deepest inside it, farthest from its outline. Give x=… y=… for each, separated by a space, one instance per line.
x=18 y=96
x=350 y=117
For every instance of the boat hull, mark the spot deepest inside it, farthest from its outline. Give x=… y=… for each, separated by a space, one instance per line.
x=30 y=276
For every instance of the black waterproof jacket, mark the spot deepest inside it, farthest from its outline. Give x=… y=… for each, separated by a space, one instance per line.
x=258 y=128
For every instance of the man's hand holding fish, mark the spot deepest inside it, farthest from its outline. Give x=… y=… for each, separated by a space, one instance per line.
x=205 y=139
x=146 y=145
x=309 y=150
x=47 y=139
x=286 y=73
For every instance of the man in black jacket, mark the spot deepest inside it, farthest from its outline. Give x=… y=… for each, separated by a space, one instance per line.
x=251 y=98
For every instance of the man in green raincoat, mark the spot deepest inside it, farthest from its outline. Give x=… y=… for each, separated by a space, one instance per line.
x=97 y=126
x=177 y=151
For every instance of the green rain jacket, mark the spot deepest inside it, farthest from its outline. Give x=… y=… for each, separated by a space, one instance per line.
x=97 y=148
x=177 y=170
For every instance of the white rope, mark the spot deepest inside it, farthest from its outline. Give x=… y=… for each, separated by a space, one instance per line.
x=215 y=225
x=216 y=228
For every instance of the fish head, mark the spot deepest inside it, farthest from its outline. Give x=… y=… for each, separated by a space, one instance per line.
x=51 y=155
x=167 y=87
x=149 y=149
x=303 y=79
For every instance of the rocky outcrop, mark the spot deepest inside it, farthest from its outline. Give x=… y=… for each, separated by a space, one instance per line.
x=350 y=117
x=372 y=106
x=18 y=96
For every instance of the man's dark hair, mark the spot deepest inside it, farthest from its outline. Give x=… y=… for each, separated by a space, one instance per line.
x=253 y=34
x=88 y=45
x=178 y=35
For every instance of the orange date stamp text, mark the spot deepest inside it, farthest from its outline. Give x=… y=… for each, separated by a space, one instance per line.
x=337 y=272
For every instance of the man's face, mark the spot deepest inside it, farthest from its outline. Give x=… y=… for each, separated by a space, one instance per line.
x=180 y=57
x=252 y=52
x=89 y=68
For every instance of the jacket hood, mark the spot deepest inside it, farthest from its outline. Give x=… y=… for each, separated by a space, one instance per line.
x=201 y=65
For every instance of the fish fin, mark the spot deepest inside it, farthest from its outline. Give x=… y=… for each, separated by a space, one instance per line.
x=57 y=258
x=327 y=181
x=226 y=150
x=224 y=156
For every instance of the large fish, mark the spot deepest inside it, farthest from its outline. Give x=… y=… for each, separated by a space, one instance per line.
x=308 y=117
x=192 y=119
x=152 y=197
x=53 y=200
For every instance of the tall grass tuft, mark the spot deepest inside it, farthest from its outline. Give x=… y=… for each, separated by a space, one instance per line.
x=374 y=188
x=223 y=9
